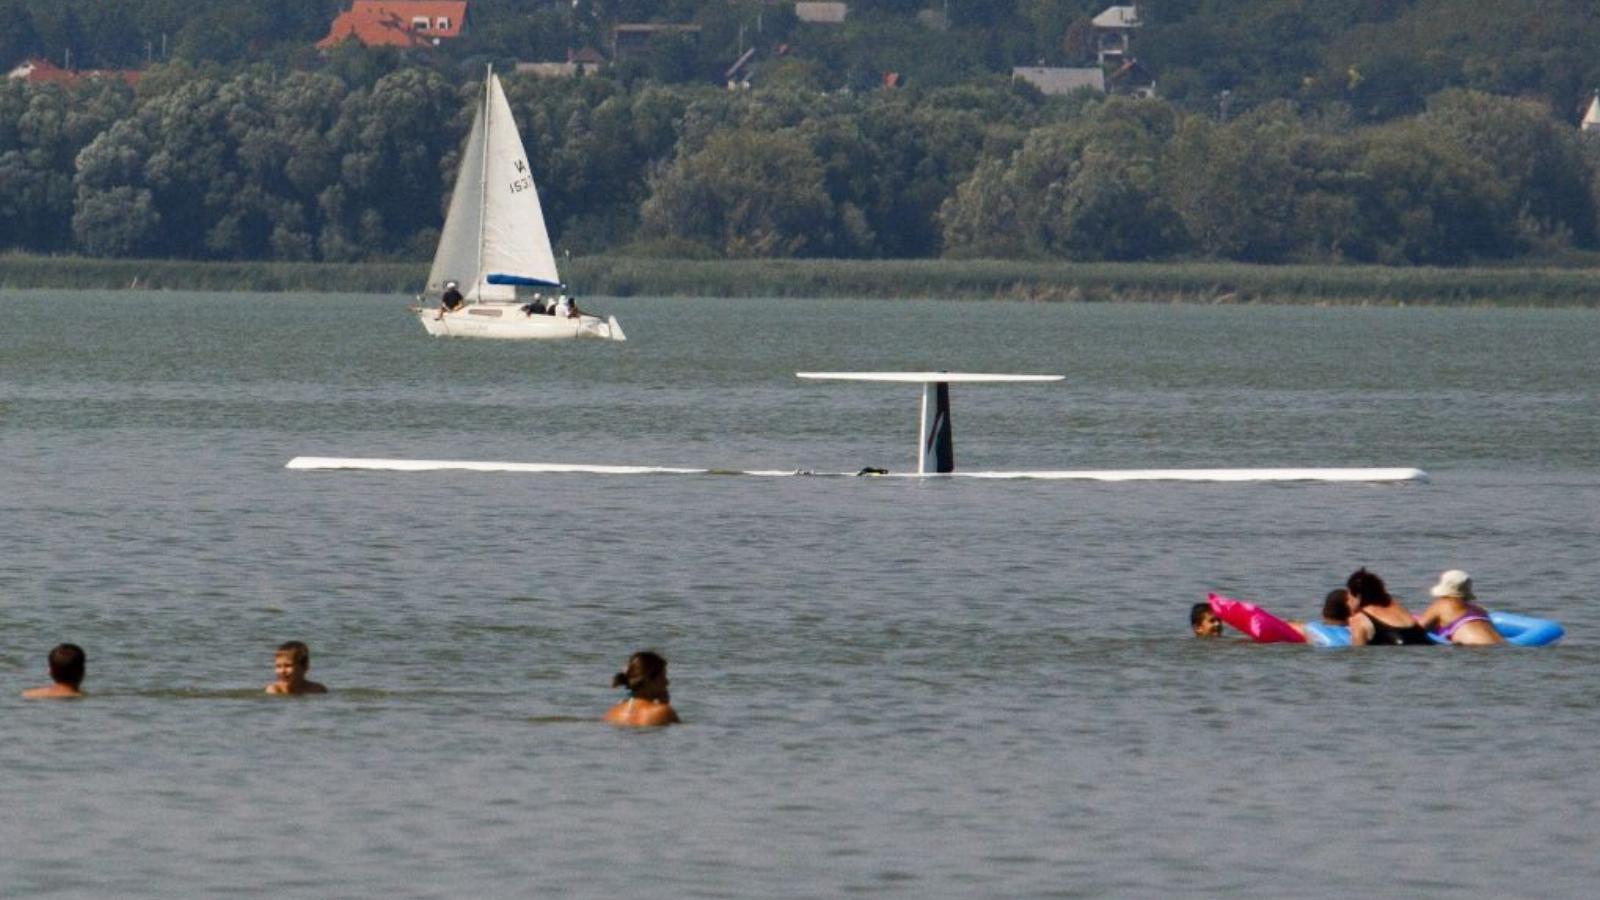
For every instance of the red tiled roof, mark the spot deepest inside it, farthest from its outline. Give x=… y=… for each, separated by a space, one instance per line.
x=43 y=71
x=388 y=23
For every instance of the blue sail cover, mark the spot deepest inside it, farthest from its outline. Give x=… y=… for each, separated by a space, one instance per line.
x=520 y=280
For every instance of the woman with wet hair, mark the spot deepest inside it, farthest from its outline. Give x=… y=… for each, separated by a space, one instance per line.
x=648 y=702
x=1377 y=618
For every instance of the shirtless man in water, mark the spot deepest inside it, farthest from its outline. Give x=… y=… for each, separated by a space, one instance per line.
x=66 y=674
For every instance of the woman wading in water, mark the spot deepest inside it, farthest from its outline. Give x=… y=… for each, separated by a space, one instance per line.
x=648 y=702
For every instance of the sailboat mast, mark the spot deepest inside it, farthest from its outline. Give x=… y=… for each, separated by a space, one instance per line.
x=483 y=180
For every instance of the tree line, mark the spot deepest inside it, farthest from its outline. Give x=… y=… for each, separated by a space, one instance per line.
x=1380 y=58
x=325 y=165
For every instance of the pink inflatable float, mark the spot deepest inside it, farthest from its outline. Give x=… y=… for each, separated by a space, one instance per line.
x=1262 y=626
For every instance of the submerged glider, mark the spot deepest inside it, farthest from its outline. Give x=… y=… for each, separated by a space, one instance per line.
x=935 y=450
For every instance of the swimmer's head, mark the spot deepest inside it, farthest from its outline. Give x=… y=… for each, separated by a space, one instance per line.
x=1204 y=622
x=1336 y=607
x=66 y=664
x=291 y=660
x=1367 y=589
x=645 y=676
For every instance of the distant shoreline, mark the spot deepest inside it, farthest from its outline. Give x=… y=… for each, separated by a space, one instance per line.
x=1198 y=282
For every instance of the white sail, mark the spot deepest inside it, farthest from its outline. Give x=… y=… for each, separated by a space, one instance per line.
x=456 y=258
x=494 y=235
x=516 y=247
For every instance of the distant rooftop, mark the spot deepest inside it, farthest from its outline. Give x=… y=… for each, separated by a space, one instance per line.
x=43 y=71
x=397 y=23
x=1118 y=17
x=822 y=13
x=1057 y=81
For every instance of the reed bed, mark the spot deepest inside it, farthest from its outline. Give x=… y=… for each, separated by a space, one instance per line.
x=1197 y=282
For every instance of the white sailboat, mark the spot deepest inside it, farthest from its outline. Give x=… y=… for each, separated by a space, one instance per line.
x=495 y=241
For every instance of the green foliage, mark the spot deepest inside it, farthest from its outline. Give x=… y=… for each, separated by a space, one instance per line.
x=1087 y=189
x=746 y=193
x=1538 y=160
x=1355 y=131
x=1424 y=199
x=638 y=274
x=42 y=132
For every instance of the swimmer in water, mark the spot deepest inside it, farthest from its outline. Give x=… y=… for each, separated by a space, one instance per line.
x=1377 y=618
x=1335 y=610
x=1454 y=614
x=290 y=663
x=66 y=674
x=1204 y=622
x=648 y=702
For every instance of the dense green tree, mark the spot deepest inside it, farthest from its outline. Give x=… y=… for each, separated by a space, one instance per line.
x=1234 y=185
x=1537 y=159
x=41 y=133
x=1422 y=198
x=1088 y=189
x=745 y=194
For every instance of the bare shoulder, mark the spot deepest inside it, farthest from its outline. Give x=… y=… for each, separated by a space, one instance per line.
x=641 y=715
x=659 y=714
x=314 y=687
x=1433 y=612
x=51 y=692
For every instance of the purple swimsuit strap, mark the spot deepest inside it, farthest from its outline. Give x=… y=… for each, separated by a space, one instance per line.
x=1473 y=614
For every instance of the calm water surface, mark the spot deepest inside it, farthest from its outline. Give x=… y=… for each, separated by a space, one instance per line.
x=892 y=688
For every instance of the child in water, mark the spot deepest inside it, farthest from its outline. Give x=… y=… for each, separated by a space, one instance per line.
x=648 y=702
x=1335 y=611
x=289 y=663
x=66 y=674
x=1203 y=622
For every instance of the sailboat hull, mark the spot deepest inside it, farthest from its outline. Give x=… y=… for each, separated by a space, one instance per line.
x=507 y=321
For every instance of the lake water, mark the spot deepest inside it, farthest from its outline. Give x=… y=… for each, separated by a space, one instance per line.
x=891 y=688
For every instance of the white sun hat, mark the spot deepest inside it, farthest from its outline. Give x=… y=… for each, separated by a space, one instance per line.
x=1454 y=583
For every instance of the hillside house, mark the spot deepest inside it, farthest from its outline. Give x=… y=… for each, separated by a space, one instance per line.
x=1113 y=30
x=633 y=38
x=1131 y=79
x=1054 y=82
x=822 y=13
x=579 y=62
x=43 y=71
x=397 y=23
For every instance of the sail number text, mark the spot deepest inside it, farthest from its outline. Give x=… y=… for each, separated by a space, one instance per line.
x=522 y=184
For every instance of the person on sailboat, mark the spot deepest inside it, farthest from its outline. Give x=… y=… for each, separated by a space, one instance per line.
x=452 y=300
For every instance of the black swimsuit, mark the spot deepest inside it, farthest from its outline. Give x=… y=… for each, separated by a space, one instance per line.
x=1384 y=633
